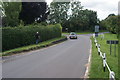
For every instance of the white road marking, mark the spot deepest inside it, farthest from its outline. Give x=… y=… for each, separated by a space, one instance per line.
x=89 y=63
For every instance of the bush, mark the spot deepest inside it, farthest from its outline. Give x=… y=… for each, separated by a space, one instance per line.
x=25 y=35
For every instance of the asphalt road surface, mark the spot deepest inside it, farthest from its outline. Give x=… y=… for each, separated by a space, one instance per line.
x=64 y=60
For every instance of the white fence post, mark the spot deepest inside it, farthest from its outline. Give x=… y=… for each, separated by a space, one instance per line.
x=104 y=61
x=99 y=45
x=98 y=51
x=95 y=41
x=102 y=36
x=112 y=75
x=96 y=45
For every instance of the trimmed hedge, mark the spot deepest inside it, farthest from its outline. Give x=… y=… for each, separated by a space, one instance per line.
x=13 y=37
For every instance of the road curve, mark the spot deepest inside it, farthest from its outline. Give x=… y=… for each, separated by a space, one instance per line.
x=64 y=60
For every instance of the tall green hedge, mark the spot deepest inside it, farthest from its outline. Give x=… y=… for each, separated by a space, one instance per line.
x=25 y=35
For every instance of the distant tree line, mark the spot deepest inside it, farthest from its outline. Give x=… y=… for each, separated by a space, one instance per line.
x=111 y=23
x=70 y=15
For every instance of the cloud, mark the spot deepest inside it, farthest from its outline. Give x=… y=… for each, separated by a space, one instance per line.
x=49 y=1
x=103 y=7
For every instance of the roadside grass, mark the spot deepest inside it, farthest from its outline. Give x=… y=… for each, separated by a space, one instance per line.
x=85 y=32
x=31 y=47
x=96 y=70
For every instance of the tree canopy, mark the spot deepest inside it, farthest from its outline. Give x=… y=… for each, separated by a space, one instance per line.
x=33 y=11
x=110 y=23
x=12 y=10
x=72 y=16
x=58 y=12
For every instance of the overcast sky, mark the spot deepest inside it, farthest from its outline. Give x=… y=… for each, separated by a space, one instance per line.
x=103 y=7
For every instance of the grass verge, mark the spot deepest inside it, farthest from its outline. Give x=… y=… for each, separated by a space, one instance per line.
x=96 y=70
x=34 y=46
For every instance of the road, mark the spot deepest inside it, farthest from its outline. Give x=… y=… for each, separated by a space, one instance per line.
x=65 y=60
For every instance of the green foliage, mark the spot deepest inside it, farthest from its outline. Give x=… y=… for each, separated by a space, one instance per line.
x=111 y=23
x=12 y=10
x=72 y=16
x=34 y=12
x=13 y=37
x=2 y=11
x=84 y=20
x=58 y=12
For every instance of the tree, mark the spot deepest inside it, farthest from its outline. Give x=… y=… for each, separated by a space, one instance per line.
x=92 y=19
x=72 y=16
x=84 y=20
x=76 y=8
x=111 y=15
x=81 y=20
x=58 y=12
x=2 y=11
x=12 y=10
x=34 y=11
x=111 y=23
x=75 y=18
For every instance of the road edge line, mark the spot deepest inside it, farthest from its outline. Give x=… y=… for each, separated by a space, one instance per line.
x=89 y=63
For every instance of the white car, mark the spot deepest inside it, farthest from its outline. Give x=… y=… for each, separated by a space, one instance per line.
x=73 y=35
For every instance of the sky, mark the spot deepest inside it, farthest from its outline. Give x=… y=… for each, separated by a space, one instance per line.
x=103 y=7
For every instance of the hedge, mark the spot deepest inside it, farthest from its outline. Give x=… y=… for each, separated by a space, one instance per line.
x=14 y=37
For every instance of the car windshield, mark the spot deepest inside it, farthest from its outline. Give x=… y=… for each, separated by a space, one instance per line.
x=72 y=34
